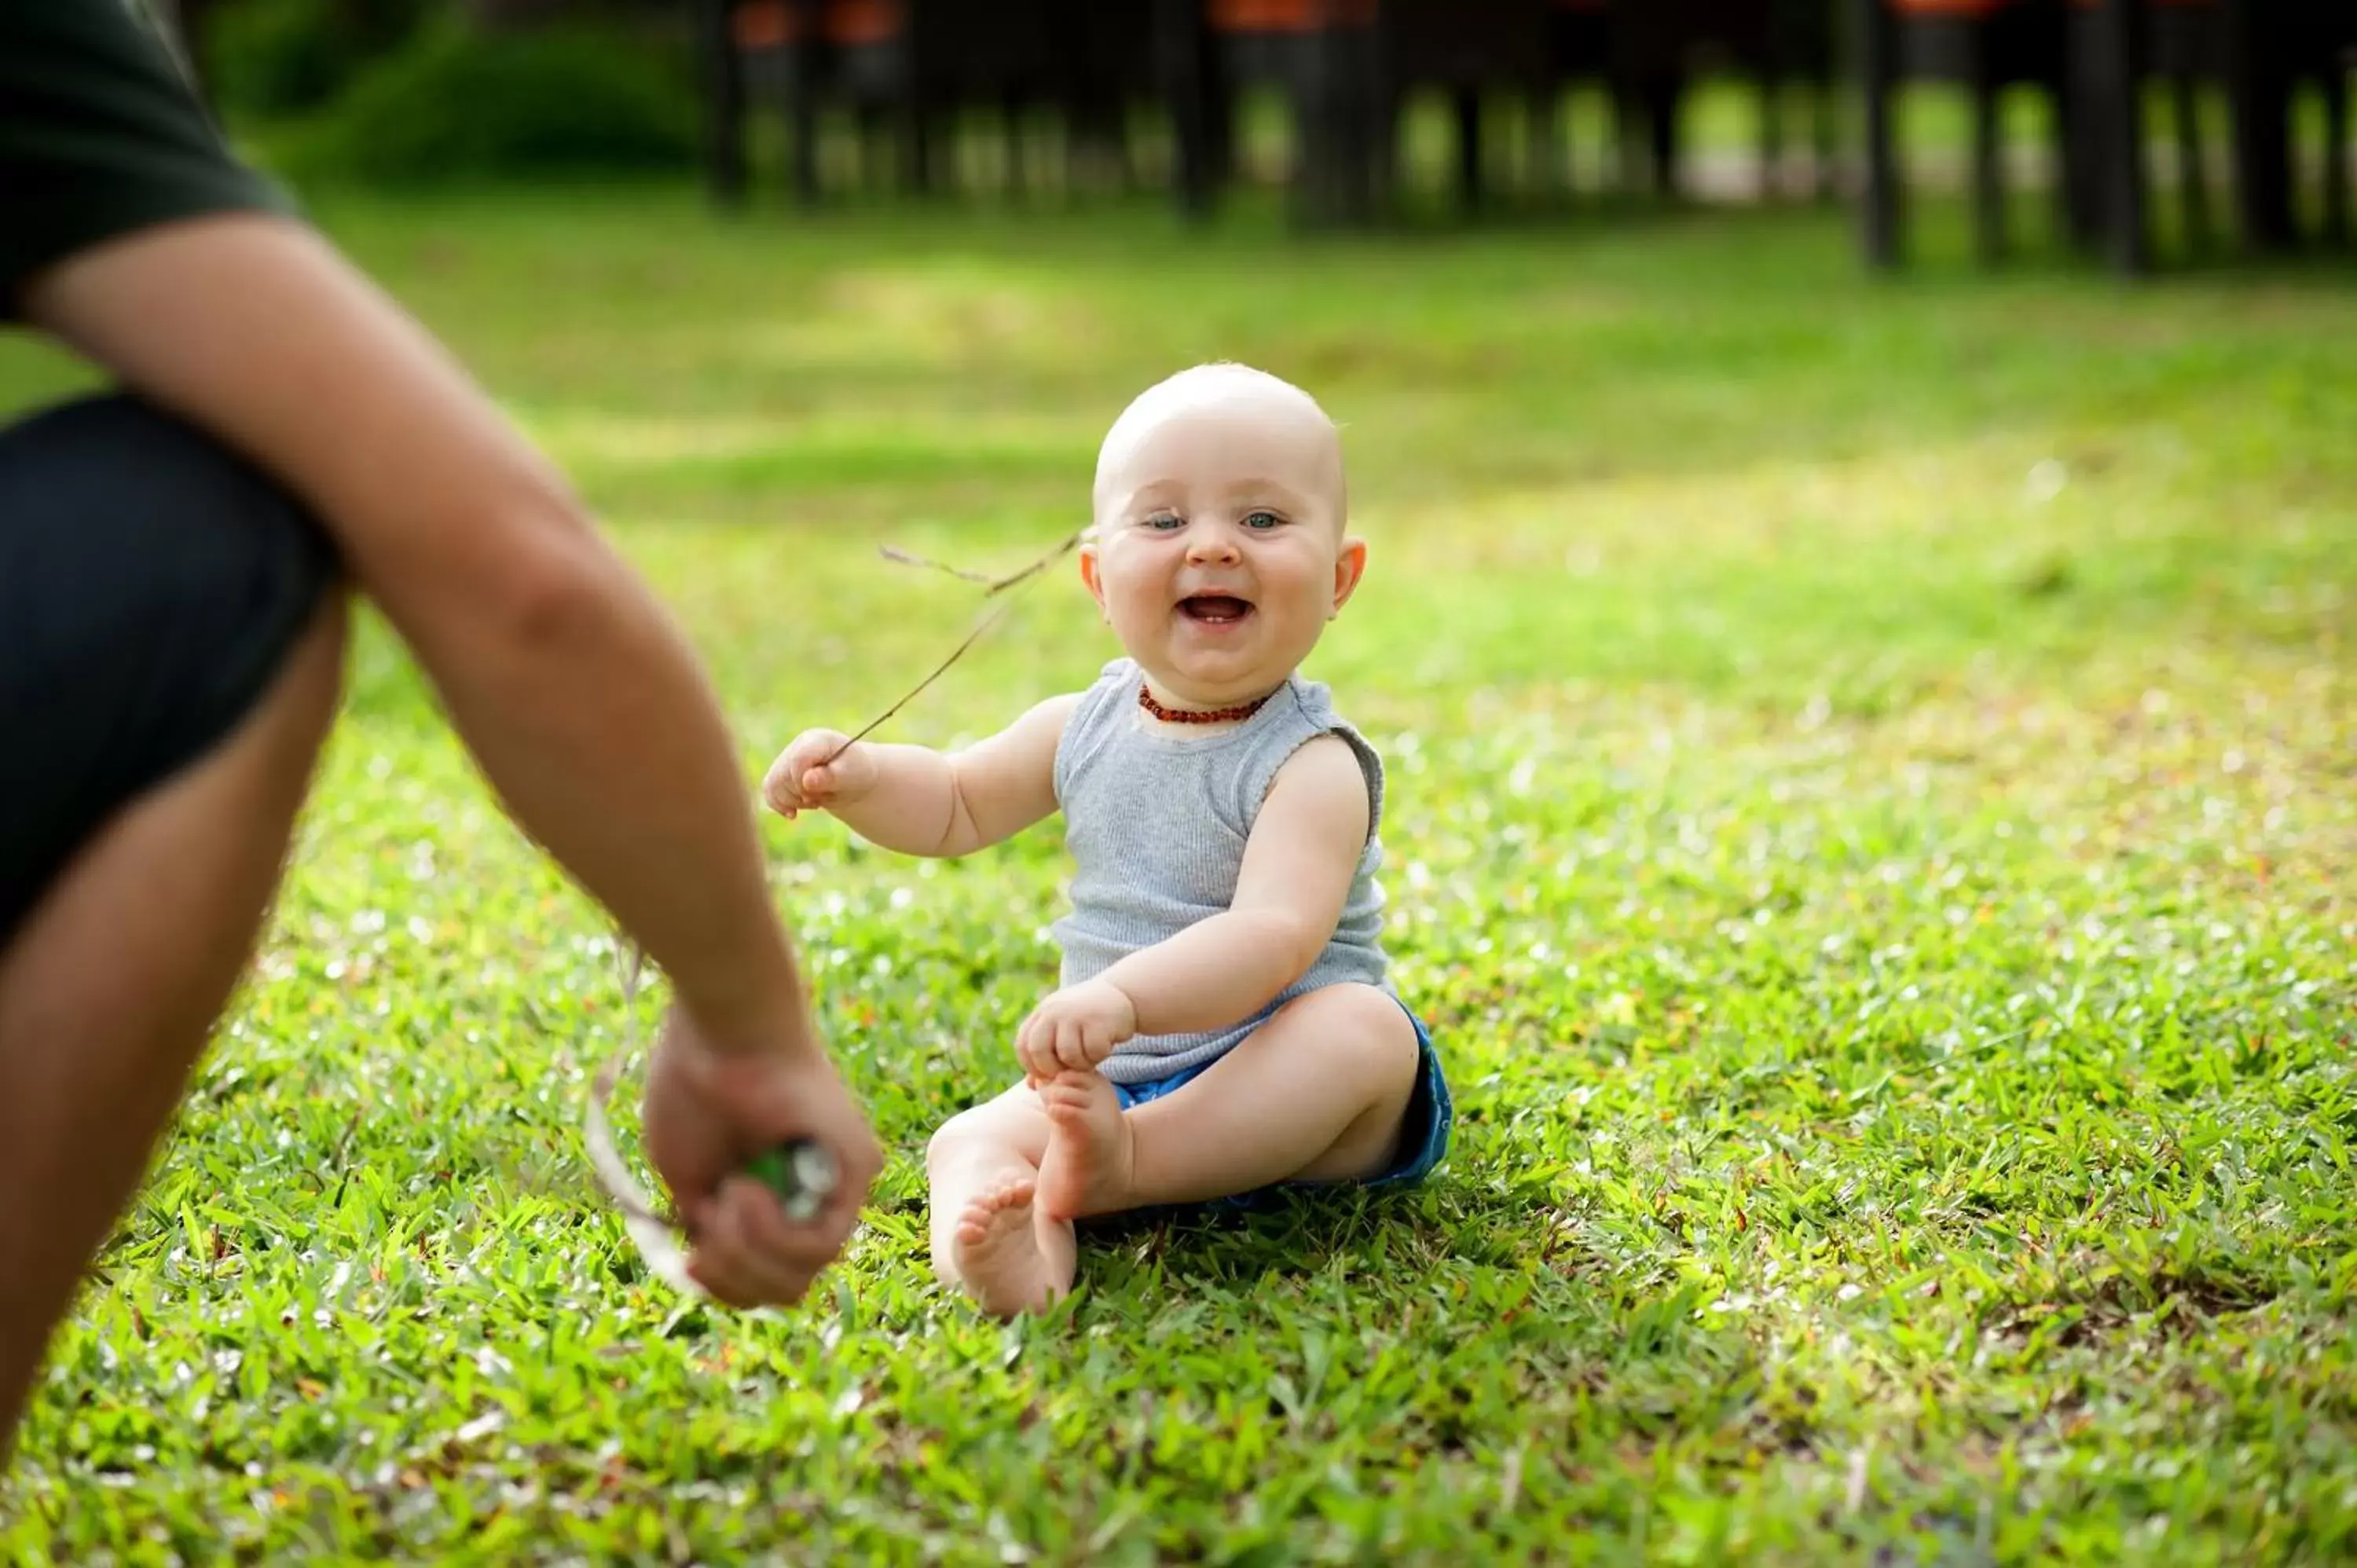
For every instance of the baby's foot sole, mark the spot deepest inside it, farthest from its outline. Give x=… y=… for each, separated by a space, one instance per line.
x=995 y=1250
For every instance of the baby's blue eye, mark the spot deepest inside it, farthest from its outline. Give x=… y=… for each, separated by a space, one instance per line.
x=1164 y=523
x=1262 y=521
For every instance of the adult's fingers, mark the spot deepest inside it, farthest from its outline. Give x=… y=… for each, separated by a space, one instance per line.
x=748 y=1254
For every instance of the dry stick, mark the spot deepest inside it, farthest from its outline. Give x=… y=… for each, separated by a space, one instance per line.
x=992 y=584
x=995 y=586
x=894 y=553
x=650 y=1229
x=939 y=670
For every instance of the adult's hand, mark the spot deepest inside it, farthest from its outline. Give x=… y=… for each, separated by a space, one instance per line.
x=707 y=1112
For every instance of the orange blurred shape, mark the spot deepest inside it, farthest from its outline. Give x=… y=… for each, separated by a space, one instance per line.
x=772 y=24
x=1286 y=16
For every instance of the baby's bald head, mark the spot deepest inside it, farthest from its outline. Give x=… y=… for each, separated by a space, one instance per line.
x=1270 y=428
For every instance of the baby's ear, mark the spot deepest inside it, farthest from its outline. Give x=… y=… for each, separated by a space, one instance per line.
x=1089 y=571
x=1350 y=566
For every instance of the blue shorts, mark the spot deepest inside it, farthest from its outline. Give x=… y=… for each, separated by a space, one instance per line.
x=1423 y=1132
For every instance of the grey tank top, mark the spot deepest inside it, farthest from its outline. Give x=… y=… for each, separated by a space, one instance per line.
x=1155 y=822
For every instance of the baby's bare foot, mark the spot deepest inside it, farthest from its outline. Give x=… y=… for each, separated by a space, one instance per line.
x=1088 y=1165
x=995 y=1250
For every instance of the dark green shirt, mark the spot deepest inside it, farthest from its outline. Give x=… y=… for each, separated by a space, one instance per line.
x=100 y=135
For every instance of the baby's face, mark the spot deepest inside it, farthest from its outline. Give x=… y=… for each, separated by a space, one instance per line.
x=1219 y=555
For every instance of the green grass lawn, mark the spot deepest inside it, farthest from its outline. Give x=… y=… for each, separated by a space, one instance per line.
x=1875 y=798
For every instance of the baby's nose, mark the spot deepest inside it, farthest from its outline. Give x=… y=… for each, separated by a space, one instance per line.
x=1211 y=544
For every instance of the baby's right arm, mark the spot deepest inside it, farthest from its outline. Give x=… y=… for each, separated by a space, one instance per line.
x=920 y=802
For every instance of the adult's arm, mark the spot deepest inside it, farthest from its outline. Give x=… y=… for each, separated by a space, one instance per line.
x=568 y=683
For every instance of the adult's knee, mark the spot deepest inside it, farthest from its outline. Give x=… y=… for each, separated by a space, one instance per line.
x=156 y=592
x=136 y=541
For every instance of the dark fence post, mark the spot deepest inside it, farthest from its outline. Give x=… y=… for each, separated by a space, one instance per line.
x=724 y=103
x=1875 y=45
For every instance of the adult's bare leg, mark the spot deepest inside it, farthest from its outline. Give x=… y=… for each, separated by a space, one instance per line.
x=112 y=987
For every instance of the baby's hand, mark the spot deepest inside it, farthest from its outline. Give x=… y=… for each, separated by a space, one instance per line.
x=802 y=779
x=1075 y=1029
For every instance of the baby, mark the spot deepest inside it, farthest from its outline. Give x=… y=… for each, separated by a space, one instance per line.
x=1226 y=1022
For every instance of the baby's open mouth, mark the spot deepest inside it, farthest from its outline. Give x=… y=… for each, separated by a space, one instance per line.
x=1214 y=610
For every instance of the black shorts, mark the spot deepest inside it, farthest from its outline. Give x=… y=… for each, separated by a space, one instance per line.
x=152 y=584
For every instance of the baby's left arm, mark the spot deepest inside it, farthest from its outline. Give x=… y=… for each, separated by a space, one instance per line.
x=1297 y=873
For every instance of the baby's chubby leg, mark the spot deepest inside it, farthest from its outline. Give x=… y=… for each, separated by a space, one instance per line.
x=983 y=1168
x=1317 y=1093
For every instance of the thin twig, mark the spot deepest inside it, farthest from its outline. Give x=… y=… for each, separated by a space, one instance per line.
x=991 y=586
x=894 y=553
x=995 y=586
x=939 y=670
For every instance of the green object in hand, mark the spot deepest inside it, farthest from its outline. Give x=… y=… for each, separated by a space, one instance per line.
x=801 y=1172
